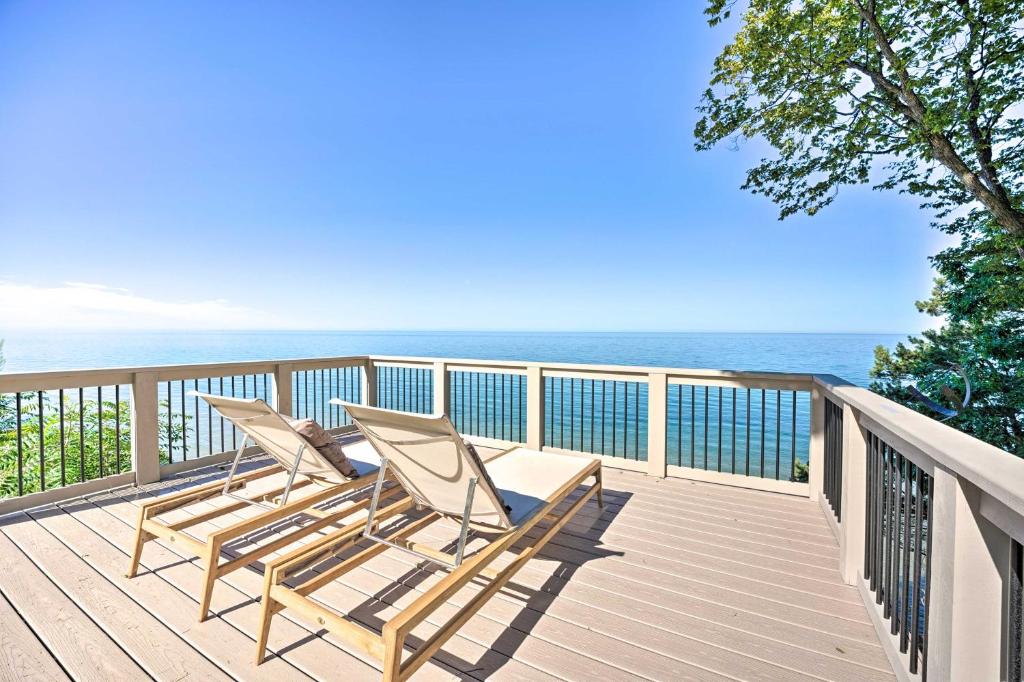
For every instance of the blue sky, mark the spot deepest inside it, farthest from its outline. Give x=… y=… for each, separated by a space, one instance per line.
x=415 y=165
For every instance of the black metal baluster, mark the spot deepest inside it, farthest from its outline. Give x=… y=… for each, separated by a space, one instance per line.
x=869 y=486
x=915 y=595
x=778 y=431
x=592 y=393
x=234 y=431
x=625 y=420
x=323 y=398
x=221 y=417
x=747 y=469
x=604 y=396
x=63 y=447
x=21 y=460
x=792 y=447
x=890 y=539
x=882 y=511
x=763 y=415
x=928 y=576
x=572 y=414
x=184 y=430
x=900 y=610
x=81 y=436
x=170 y=435
x=615 y=410
x=693 y=426
x=117 y=426
x=706 y=410
x=99 y=428
x=733 y=431
x=719 y=428
x=195 y=411
x=906 y=598
x=42 y=444
x=636 y=421
x=679 y=421
x=209 y=416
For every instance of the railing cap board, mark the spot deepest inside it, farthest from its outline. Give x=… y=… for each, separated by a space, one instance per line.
x=581 y=368
x=14 y=382
x=995 y=471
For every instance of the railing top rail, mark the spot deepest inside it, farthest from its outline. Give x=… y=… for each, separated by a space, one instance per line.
x=623 y=370
x=995 y=471
x=13 y=382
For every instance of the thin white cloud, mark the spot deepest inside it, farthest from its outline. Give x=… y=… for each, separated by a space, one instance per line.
x=86 y=306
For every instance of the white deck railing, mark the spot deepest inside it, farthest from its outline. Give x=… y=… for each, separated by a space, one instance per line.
x=929 y=520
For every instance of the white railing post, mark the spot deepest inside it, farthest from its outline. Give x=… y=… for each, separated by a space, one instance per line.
x=145 y=409
x=282 y=389
x=442 y=399
x=657 y=423
x=854 y=476
x=368 y=385
x=969 y=559
x=534 y=407
x=816 y=456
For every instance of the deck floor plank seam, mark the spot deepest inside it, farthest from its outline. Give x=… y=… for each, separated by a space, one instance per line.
x=23 y=656
x=554 y=657
x=673 y=579
x=723 y=632
x=148 y=641
x=79 y=645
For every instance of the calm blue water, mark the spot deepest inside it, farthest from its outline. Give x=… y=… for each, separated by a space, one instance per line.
x=847 y=355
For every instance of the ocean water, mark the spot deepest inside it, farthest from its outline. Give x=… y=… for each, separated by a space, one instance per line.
x=849 y=356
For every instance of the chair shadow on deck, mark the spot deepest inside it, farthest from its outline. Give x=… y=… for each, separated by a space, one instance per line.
x=527 y=594
x=521 y=602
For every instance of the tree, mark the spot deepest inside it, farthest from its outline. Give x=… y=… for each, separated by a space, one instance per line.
x=920 y=96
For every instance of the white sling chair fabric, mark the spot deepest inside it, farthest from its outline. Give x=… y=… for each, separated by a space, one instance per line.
x=429 y=458
x=271 y=431
x=433 y=464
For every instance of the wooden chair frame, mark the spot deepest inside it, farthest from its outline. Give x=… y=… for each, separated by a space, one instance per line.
x=388 y=646
x=149 y=527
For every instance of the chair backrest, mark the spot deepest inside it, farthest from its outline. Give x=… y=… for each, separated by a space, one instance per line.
x=431 y=461
x=272 y=432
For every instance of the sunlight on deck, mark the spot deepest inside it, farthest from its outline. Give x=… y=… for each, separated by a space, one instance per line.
x=673 y=580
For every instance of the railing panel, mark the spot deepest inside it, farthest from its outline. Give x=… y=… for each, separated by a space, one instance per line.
x=409 y=389
x=756 y=432
x=833 y=460
x=598 y=416
x=189 y=428
x=313 y=390
x=53 y=438
x=488 y=404
x=897 y=546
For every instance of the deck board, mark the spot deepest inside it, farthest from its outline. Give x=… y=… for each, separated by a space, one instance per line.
x=673 y=580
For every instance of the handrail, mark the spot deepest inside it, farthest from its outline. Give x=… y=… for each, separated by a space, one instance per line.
x=13 y=382
x=622 y=370
x=991 y=469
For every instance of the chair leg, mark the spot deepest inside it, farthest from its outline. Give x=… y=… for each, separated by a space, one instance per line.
x=268 y=607
x=393 y=646
x=141 y=538
x=212 y=560
x=600 y=489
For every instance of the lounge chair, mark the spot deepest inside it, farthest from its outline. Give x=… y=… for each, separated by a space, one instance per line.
x=501 y=500
x=305 y=466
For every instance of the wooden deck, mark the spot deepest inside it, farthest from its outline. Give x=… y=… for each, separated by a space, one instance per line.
x=674 y=580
